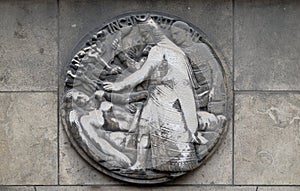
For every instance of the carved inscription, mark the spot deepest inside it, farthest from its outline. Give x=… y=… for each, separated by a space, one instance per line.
x=145 y=98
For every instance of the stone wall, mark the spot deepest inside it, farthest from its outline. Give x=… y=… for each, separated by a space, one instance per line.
x=260 y=40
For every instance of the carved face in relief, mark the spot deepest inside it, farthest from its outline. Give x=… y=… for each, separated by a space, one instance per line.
x=81 y=99
x=136 y=118
x=180 y=32
x=179 y=35
x=145 y=34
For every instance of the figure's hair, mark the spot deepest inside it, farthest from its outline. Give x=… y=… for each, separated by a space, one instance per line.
x=69 y=96
x=152 y=27
x=68 y=99
x=71 y=99
x=181 y=25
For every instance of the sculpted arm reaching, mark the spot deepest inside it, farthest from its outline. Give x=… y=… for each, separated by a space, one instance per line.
x=137 y=77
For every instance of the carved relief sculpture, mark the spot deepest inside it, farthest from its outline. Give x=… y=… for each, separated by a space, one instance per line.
x=145 y=98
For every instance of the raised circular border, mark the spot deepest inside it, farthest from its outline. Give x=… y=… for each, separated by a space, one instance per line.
x=227 y=78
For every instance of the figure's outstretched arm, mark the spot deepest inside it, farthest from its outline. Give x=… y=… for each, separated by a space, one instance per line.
x=139 y=76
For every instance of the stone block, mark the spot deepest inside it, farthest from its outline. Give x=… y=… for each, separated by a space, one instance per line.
x=78 y=18
x=217 y=169
x=17 y=188
x=282 y=188
x=267 y=139
x=74 y=169
x=160 y=188
x=28 y=49
x=267 y=45
x=28 y=138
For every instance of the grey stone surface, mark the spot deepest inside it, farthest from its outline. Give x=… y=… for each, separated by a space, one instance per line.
x=28 y=49
x=16 y=188
x=267 y=45
x=267 y=139
x=161 y=188
x=28 y=138
x=266 y=58
x=282 y=188
x=217 y=169
x=114 y=153
x=77 y=18
x=74 y=169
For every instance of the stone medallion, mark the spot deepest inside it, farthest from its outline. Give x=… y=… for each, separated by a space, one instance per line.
x=145 y=98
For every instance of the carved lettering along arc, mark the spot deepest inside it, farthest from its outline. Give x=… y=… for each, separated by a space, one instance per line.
x=145 y=98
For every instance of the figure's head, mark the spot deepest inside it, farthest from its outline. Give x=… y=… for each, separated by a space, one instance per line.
x=180 y=32
x=100 y=95
x=149 y=30
x=106 y=106
x=79 y=98
x=101 y=35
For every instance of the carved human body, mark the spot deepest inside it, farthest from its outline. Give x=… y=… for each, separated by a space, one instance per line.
x=170 y=111
x=205 y=66
x=137 y=102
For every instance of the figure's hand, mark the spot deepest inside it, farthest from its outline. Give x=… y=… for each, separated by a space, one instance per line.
x=116 y=70
x=99 y=94
x=116 y=45
x=131 y=108
x=110 y=86
x=132 y=52
x=211 y=94
x=93 y=54
x=195 y=139
x=199 y=139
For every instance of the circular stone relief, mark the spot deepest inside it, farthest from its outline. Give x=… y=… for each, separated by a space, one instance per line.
x=145 y=98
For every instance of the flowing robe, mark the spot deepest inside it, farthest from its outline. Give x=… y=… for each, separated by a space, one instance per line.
x=169 y=115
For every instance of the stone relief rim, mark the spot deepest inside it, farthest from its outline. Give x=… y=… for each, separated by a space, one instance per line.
x=227 y=78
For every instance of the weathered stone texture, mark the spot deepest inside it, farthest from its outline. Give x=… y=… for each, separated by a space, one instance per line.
x=267 y=45
x=267 y=139
x=16 y=188
x=28 y=49
x=217 y=169
x=161 y=188
x=267 y=125
x=282 y=188
x=77 y=18
x=75 y=170
x=210 y=17
x=28 y=138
